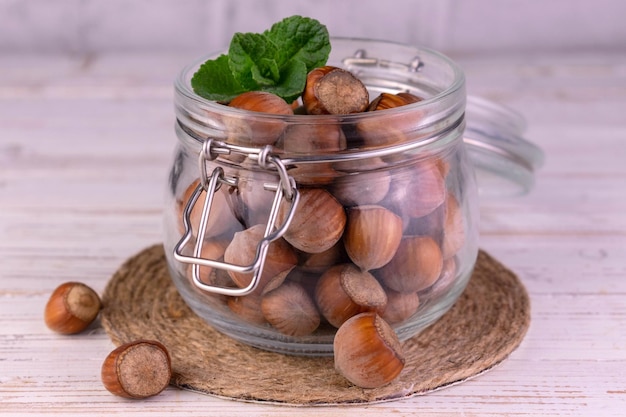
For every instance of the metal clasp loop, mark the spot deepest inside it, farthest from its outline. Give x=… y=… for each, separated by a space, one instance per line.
x=285 y=189
x=360 y=59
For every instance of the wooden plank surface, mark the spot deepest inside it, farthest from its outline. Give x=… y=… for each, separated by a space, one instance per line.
x=85 y=145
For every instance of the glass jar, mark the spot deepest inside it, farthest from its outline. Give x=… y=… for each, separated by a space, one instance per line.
x=311 y=219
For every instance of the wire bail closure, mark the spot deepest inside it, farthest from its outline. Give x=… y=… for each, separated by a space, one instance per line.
x=285 y=189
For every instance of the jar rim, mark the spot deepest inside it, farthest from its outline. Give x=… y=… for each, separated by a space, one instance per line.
x=183 y=86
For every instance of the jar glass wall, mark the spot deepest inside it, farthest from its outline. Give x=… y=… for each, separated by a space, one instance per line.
x=386 y=216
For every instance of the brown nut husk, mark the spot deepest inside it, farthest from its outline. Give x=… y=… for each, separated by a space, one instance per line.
x=290 y=309
x=367 y=351
x=71 y=308
x=344 y=291
x=332 y=90
x=318 y=222
x=416 y=265
x=372 y=236
x=138 y=369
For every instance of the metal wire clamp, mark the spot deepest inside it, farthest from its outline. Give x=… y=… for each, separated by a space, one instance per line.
x=285 y=189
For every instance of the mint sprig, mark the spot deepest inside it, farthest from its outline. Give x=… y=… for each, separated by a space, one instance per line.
x=276 y=61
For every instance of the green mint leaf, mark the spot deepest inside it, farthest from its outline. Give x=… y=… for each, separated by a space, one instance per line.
x=292 y=81
x=215 y=81
x=301 y=38
x=271 y=74
x=252 y=60
x=277 y=61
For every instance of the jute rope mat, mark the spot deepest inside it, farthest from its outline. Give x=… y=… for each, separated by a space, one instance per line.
x=486 y=324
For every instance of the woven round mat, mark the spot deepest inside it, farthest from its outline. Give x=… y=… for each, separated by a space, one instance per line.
x=485 y=325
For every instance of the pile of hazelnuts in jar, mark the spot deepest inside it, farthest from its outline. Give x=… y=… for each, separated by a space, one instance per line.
x=363 y=248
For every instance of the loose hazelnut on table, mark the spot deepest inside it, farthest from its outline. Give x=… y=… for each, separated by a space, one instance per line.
x=367 y=351
x=137 y=369
x=71 y=308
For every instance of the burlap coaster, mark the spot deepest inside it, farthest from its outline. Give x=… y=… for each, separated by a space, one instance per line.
x=485 y=325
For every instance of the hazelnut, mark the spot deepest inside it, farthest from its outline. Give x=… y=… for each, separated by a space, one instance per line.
x=361 y=165
x=367 y=351
x=252 y=200
x=430 y=224
x=361 y=189
x=389 y=128
x=389 y=101
x=290 y=309
x=444 y=282
x=314 y=137
x=318 y=222
x=71 y=308
x=417 y=191
x=372 y=236
x=453 y=229
x=138 y=369
x=332 y=90
x=415 y=266
x=344 y=291
x=242 y=250
x=400 y=306
x=248 y=308
x=254 y=130
x=320 y=262
x=221 y=219
x=212 y=249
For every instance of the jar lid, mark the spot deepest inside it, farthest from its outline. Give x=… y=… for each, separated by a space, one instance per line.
x=504 y=161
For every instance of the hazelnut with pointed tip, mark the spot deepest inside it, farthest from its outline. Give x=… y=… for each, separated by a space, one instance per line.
x=372 y=236
x=71 y=308
x=367 y=351
x=317 y=224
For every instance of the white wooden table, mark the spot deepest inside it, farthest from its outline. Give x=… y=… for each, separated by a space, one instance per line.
x=85 y=144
